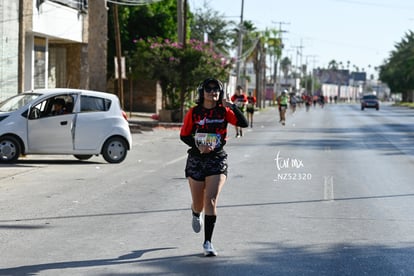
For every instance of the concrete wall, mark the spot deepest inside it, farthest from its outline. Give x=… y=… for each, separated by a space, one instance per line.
x=146 y=95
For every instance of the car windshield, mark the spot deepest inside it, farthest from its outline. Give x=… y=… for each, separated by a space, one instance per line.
x=370 y=97
x=17 y=101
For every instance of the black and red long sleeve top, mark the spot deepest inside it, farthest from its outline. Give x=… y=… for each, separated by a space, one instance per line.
x=209 y=126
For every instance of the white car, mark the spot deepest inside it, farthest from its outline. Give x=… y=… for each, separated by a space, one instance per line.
x=91 y=123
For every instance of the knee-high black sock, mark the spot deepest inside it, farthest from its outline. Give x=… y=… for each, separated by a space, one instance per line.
x=209 y=222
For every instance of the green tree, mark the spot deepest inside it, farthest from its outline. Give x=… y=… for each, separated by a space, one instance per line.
x=165 y=61
x=136 y=22
x=266 y=42
x=275 y=46
x=210 y=23
x=285 y=66
x=310 y=81
x=398 y=71
x=333 y=65
x=248 y=45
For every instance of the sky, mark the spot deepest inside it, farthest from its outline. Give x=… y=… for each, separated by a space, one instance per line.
x=363 y=32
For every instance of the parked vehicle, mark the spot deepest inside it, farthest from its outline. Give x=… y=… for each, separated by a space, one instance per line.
x=91 y=123
x=370 y=101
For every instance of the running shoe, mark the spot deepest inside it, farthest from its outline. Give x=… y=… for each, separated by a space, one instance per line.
x=197 y=223
x=209 y=250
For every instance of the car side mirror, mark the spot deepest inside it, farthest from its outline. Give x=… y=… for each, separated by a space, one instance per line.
x=34 y=113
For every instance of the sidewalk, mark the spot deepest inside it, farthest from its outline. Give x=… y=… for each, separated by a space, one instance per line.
x=141 y=121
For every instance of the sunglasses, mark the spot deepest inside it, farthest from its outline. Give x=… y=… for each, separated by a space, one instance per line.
x=209 y=89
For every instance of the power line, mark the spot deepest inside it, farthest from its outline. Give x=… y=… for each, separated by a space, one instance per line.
x=133 y=2
x=371 y=4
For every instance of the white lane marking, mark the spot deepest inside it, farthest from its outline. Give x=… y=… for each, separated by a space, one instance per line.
x=175 y=160
x=328 y=191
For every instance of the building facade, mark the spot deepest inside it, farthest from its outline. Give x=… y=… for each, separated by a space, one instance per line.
x=53 y=43
x=9 y=44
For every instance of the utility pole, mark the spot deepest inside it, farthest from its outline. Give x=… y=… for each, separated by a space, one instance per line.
x=182 y=38
x=180 y=20
x=301 y=56
x=298 y=53
x=297 y=48
x=240 y=45
x=277 y=70
x=184 y=41
x=118 y=55
x=312 y=74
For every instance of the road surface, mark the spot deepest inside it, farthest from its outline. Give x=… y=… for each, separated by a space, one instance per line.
x=330 y=193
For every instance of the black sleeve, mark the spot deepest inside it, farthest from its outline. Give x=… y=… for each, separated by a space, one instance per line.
x=241 y=119
x=188 y=140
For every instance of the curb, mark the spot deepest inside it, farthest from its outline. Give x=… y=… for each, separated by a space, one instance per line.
x=140 y=126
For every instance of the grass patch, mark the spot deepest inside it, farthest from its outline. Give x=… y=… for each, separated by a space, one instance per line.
x=406 y=104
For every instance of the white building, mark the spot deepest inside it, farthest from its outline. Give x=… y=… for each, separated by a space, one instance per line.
x=46 y=44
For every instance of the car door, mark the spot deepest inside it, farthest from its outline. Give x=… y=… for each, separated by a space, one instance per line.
x=92 y=123
x=48 y=133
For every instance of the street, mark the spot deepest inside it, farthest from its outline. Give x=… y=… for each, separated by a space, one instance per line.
x=330 y=193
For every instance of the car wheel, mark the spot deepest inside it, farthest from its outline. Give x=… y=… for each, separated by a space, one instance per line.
x=362 y=108
x=114 y=150
x=83 y=156
x=9 y=149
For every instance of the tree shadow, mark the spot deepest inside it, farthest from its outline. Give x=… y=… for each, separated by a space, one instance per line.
x=281 y=258
x=33 y=162
x=391 y=139
x=35 y=269
x=22 y=227
x=338 y=259
x=153 y=211
x=264 y=258
x=59 y=161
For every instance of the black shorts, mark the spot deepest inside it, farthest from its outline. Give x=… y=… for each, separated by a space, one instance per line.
x=200 y=166
x=250 y=110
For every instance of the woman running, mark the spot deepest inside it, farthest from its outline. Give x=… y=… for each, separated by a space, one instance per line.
x=204 y=130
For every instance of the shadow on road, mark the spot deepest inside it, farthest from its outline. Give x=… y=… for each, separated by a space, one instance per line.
x=28 y=163
x=132 y=213
x=391 y=139
x=266 y=259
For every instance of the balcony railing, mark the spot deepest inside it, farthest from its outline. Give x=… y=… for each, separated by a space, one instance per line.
x=81 y=5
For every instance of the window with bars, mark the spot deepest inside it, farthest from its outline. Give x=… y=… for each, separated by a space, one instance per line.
x=81 y=5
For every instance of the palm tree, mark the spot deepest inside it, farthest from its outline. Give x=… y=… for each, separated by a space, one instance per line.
x=257 y=55
x=333 y=65
x=274 y=46
x=356 y=68
x=249 y=44
x=285 y=66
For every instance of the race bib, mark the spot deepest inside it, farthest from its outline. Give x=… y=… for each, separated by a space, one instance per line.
x=239 y=104
x=209 y=139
